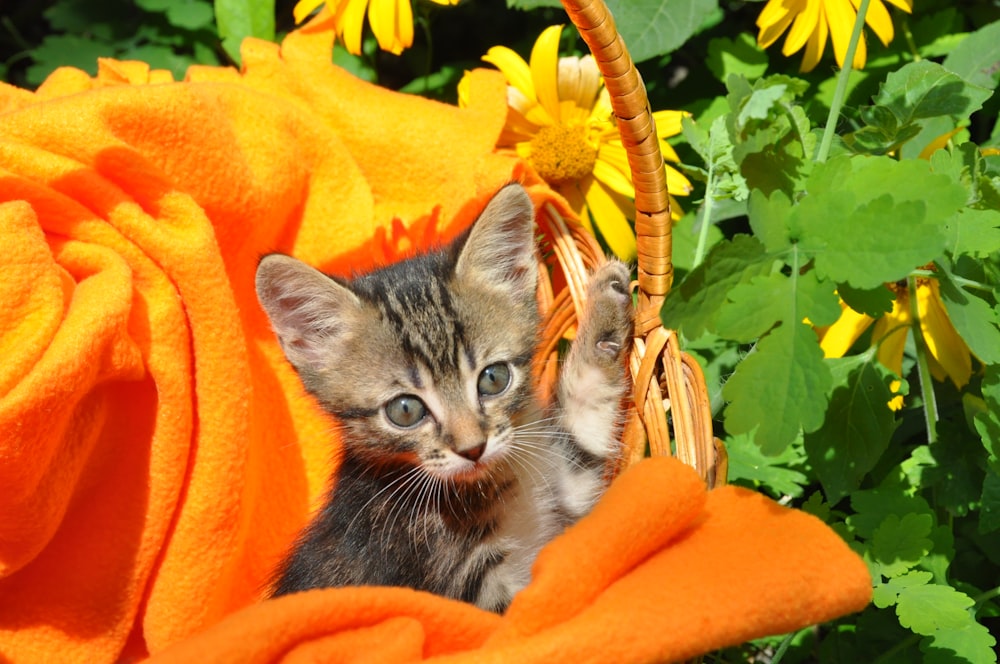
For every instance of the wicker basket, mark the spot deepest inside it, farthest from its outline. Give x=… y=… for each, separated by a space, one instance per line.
x=665 y=380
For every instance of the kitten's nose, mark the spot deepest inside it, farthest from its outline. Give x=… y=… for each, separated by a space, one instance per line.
x=472 y=453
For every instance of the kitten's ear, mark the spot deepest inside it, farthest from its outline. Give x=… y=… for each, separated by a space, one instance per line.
x=500 y=250
x=310 y=312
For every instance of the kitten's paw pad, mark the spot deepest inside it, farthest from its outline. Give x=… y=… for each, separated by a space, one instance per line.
x=607 y=323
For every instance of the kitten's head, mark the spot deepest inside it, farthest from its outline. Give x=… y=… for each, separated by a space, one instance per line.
x=428 y=361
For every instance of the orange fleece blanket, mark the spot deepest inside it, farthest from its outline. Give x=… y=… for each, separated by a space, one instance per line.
x=157 y=455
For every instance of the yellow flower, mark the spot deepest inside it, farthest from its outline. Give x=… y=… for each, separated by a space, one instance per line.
x=391 y=21
x=949 y=356
x=812 y=20
x=559 y=120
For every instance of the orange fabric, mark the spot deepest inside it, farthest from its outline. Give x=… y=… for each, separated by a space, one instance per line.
x=660 y=571
x=157 y=454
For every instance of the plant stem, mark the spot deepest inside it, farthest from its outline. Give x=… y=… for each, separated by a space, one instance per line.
x=923 y=367
x=987 y=596
x=842 y=79
x=783 y=647
x=961 y=281
x=706 y=218
x=889 y=654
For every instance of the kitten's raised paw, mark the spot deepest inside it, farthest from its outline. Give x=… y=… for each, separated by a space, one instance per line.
x=607 y=323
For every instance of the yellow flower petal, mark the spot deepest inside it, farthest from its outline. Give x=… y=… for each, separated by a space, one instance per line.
x=803 y=26
x=890 y=334
x=840 y=16
x=938 y=143
x=350 y=23
x=573 y=193
x=545 y=70
x=303 y=8
x=896 y=402
x=446 y=2
x=676 y=211
x=607 y=214
x=815 y=45
x=612 y=169
x=463 y=89
x=392 y=23
x=880 y=22
x=677 y=183
x=775 y=18
x=943 y=341
x=839 y=337
x=514 y=69
x=905 y=5
x=602 y=111
x=579 y=82
x=668 y=123
x=668 y=151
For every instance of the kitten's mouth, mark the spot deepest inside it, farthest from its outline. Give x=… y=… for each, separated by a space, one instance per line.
x=462 y=469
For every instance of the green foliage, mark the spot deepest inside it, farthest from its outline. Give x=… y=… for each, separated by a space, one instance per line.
x=163 y=33
x=239 y=19
x=782 y=239
x=913 y=490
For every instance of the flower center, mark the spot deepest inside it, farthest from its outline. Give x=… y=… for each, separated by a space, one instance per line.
x=562 y=154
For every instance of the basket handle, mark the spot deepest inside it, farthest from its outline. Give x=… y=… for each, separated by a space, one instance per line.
x=638 y=132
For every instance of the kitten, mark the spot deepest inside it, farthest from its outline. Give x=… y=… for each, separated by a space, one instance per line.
x=452 y=475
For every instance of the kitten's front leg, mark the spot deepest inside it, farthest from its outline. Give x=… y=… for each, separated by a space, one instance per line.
x=592 y=381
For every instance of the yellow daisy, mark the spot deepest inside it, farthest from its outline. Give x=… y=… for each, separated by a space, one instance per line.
x=559 y=120
x=949 y=356
x=391 y=21
x=812 y=21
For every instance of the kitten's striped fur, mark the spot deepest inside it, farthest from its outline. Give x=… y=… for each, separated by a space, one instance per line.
x=453 y=476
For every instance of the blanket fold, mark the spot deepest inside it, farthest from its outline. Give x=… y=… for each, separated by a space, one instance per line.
x=158 y=455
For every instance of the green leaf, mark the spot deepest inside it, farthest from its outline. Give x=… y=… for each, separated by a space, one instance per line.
x=692 y=305
x=754 y=308
x=66 y=50
x=192 y=15
x=769 y=219
x=154 y=6
x=101 y=22
x=899 y=544
x=887 y=594
x=716 y=150
x=976 y=57
x=925 y=89
x=748 y=464
x=858 y=206
x=973 y=318
x=970 y=644
x=917 y=92
x=872 y=302
x=739 y=56
x=655 y=27
x=239 y=19
x=989 y=514
x=872 y=506
x=857 y=428
x=973 y=232
x=928 y=608
x=987 y=421
x=780 y=389
x=938 y=34
x=759 y=104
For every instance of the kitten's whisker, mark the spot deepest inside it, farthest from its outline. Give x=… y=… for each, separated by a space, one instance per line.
x=361 y=511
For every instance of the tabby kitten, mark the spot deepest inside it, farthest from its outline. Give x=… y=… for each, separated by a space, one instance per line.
x=453 y=475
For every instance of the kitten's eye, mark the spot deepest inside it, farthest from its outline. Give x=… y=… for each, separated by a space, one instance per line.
x=494 y=379
x=406 y=411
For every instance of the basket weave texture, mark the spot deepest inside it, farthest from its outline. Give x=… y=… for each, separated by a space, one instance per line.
x=665 y=380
